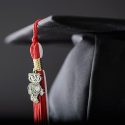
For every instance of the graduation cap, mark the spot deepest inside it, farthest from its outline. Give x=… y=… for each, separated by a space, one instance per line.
x=61 y=28
x=91 y=83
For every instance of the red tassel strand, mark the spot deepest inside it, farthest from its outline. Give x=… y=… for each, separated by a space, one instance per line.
x=40 y=108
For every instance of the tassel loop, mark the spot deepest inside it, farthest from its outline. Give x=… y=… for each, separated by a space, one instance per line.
x=35 y=32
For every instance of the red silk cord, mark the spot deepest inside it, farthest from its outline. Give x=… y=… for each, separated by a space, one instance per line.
x=40 y=108
x=34 y=49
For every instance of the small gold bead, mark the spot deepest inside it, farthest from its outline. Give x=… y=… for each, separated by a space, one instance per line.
x=37 y=64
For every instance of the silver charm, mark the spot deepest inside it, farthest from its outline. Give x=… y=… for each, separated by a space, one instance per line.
x=34 y=88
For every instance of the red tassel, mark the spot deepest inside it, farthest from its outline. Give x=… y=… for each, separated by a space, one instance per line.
x=40 y=108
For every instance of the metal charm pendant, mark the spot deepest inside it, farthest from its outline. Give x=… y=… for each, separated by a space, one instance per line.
x=34 y=88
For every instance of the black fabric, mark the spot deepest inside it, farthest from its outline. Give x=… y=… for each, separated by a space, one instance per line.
x=90 y=86
x=68 y=98
x=107 y=90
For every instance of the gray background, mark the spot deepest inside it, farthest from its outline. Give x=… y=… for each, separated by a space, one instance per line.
x=15 y=60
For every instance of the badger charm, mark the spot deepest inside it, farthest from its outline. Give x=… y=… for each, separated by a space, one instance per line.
x=34 y=88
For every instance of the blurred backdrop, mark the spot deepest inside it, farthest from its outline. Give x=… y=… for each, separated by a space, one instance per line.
x=15 y=61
